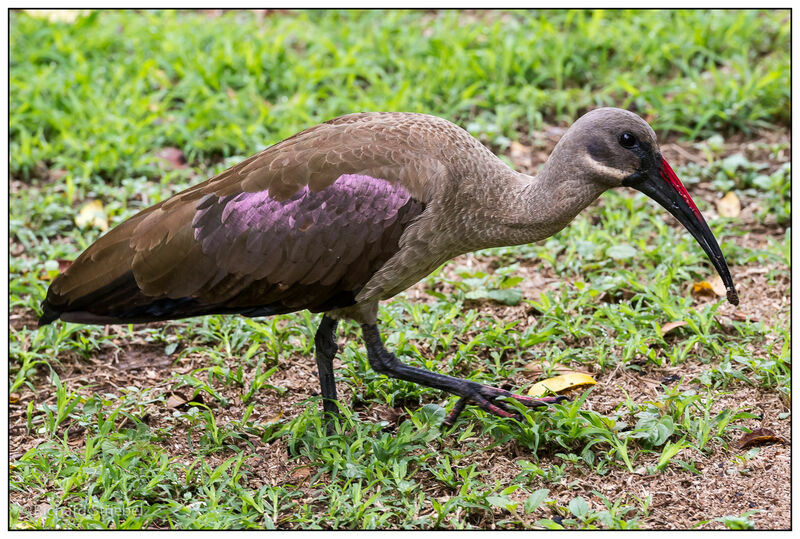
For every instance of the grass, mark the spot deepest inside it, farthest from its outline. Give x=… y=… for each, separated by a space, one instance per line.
x=214 y=422
x=242 y=82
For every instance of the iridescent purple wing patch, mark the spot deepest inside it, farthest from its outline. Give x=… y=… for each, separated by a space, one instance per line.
x=338 y=236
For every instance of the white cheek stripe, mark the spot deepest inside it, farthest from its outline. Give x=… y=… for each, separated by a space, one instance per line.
x=603 y=170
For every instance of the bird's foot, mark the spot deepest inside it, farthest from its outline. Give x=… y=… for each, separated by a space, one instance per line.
x=486 y=398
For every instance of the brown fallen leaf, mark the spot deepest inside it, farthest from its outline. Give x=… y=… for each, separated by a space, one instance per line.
x=301 y=474
x=520 y=155
x=669 y=326
x=173 y=156
x=13 y=398
x=176 y=400
x=729 y=205
x=517 y=149
x=562 y=382
x=57 y=174
x=385 y=413
x=739 y=316
x=92 y=214
x=760 y=437
x=54 y=267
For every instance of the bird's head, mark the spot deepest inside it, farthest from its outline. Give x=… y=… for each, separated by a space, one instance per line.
x=618 y=148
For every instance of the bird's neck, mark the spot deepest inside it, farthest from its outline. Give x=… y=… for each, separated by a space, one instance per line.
x=518 y=209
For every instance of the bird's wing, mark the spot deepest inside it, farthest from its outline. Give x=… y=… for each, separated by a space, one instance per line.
x=250 y=250
x=401 y=148
x=259 y=223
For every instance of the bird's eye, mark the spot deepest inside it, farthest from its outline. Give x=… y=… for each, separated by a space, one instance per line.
x=627 y=140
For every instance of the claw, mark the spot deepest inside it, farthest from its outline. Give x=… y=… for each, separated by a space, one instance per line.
x=483 y=396
x=384 y=362
x=538 y=402
x=496 y=410
x=457 y=409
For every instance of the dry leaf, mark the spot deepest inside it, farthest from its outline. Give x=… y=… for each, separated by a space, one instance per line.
x=712 y=288
x=92 y=214
x=561 y=382
x=703 y=288
x=718 y=286
x=176 y=400
x=385 y=413
x=759 y=437
x=80 y=440
x=173 y=156
x=277 y=417
x=669 y=326
x=520 y=154
x=54 y=267
x=301 y=474
x=743 y=317
x=729 y=205
x=13 y=398
x=57 y=174
x=518 y=150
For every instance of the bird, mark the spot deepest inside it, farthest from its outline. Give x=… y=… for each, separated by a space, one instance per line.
x=351 y=212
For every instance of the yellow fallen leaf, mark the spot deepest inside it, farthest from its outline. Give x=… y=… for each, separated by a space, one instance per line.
x=703 y=288
x=92 y=214
x=714 y=287
x=561 y=382
x=275 y=418
x=729 y=205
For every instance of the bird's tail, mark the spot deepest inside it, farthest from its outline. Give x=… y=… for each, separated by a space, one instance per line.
x=118 y=302
x=50 y=313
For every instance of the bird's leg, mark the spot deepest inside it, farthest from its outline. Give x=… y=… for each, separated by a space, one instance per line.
x=482 y=395
x=325 y=349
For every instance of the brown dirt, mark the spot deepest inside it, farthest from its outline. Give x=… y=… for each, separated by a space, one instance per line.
x=725 y=484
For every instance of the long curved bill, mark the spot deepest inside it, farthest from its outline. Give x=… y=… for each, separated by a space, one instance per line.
x=664 y=187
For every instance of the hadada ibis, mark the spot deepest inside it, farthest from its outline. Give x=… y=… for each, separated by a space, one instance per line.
x=351 y=212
